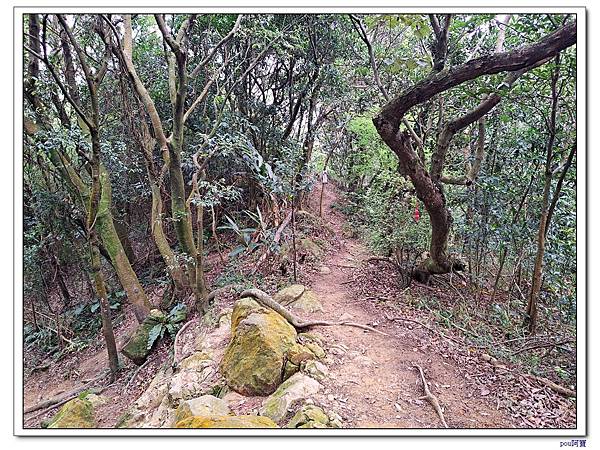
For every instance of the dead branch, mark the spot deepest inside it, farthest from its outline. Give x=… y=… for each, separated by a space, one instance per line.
x=138 y=370
x=543 y=345
x=63 y=398
x=432 y=399
x=552 y=385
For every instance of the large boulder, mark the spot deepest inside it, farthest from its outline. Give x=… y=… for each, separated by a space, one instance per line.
x=207 y=405
x=253 y=362
x=226 y=422
x=299 y=297
x=76 y=413
x=297 y=387
x=136 y=348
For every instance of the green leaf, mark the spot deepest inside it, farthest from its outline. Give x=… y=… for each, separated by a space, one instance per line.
x=236 y=251
x=155 y=331
x=178 y=313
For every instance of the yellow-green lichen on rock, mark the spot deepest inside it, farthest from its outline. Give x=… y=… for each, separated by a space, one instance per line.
x=76 y=413
x=253 y=362
x=312 y=416
x=299 y=353
x=297 y=387
x=226 y=422
x=206 y=405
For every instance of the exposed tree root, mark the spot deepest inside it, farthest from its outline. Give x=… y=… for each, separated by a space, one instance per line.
x=135 y=374
x=176 y=343
x=64 y=398
x=432 y=399
x=266 y=300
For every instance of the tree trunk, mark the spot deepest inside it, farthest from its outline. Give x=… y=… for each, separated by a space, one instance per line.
x=536 y=283
x=201 y=290
x=107 y=327
x=125 y=241
x=181 y=214
x=160 y=239
x=108 y=233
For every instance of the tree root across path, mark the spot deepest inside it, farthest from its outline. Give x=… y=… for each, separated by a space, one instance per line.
x=266 y=300
x=59 y=400
x=432 y=399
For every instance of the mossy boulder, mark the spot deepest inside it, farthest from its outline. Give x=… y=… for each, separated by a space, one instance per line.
x=206 y=405
x=299 y=297
x=226 y=422
x=76 y=413
x=299 y=353
x=312 y=416
x=253 y=362
x=297 y=387
x=136 y=348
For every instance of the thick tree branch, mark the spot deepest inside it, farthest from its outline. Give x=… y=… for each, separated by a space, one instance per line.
x=517 y=59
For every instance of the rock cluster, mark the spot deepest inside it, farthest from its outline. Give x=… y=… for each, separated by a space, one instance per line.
x=252 y=352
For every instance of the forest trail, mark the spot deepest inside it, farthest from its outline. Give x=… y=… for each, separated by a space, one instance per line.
x=373 y=381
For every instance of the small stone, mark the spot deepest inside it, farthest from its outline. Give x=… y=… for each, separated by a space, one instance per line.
x=324 y=270
x=315 y=369
x=316 y=349
x=345 y=317
x=330 y=397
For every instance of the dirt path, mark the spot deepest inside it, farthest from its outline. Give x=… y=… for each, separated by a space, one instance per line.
x=372 y=380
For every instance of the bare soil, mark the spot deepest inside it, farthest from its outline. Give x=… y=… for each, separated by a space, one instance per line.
x=373 y=381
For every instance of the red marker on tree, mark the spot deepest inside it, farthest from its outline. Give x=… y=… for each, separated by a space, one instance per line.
x=417 y=214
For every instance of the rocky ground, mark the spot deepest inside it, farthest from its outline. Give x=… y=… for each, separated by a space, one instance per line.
x=245 y=366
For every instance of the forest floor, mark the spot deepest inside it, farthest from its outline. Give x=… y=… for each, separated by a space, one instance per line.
x=373 y=379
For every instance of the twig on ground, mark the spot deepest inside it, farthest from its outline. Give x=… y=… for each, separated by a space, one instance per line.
x=543 y=345
x=427 y=327
x=432 y=399
x=135 y=374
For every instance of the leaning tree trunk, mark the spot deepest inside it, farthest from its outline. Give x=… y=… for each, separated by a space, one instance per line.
x=388 y=120
x=110 y=239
